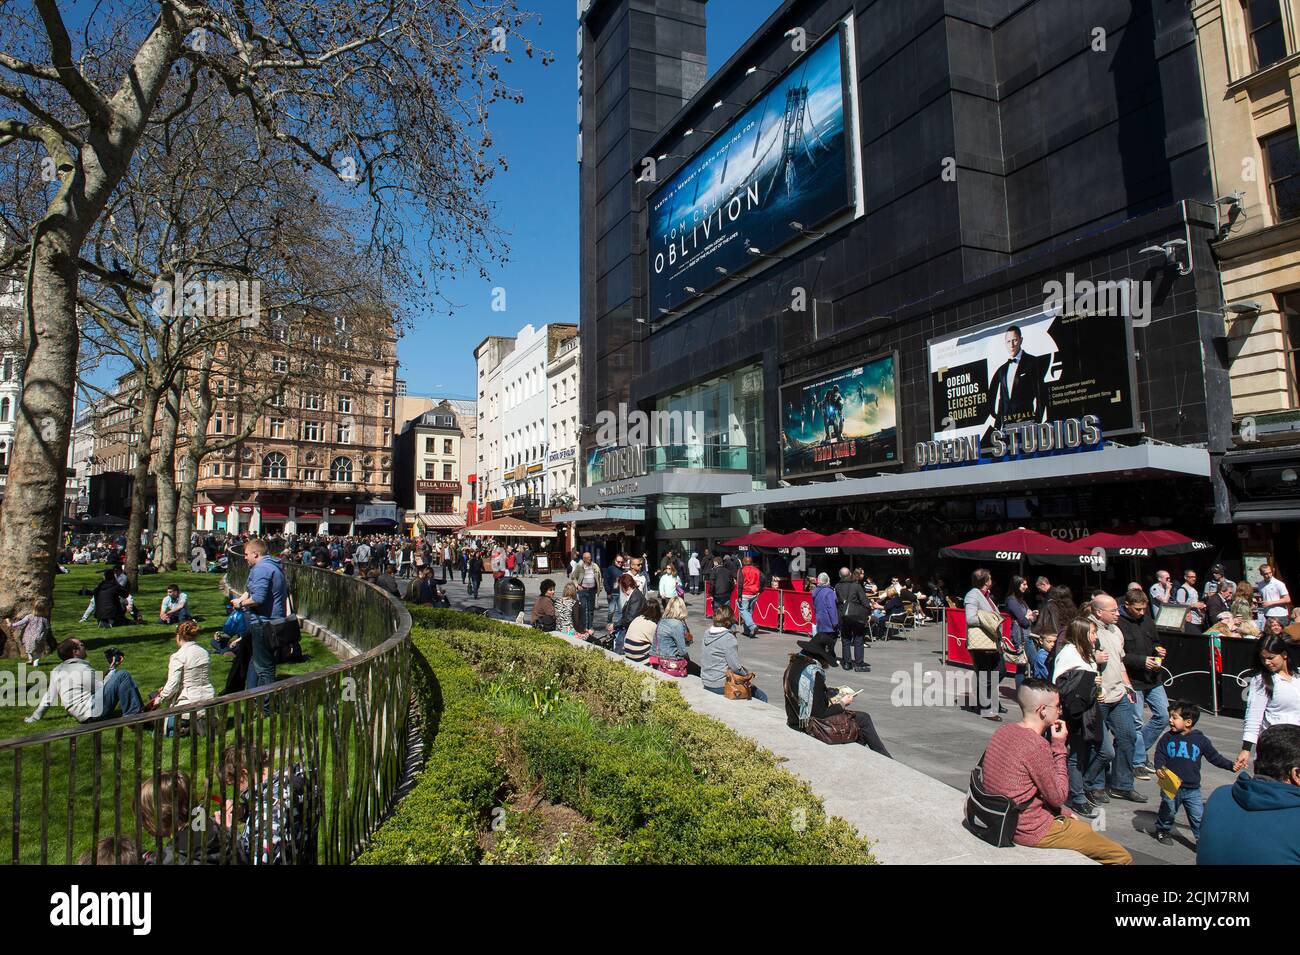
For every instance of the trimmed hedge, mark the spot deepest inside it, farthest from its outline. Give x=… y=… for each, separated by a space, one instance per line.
x=734 y=804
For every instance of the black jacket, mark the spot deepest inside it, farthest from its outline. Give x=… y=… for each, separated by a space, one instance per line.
x=110 y=600
x=1214 y=605
x=723 y=582
x=1079 y=706
x=850 y=592
x=630 y=608
x=1140 y=639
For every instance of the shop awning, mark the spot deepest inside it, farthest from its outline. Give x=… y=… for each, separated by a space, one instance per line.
x=634 y=514
x=855 y=542
x=274 y=513
x=509 y=527
x=448 y=521
x=761 y=538
x=1115 y=463
x=308 y=516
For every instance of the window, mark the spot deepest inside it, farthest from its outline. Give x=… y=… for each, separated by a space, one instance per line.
x=276 y=428
x=5 y=406
x=340 y=323
x=280 y=365
x=1264 y=25
x=446 y=472
x=312 y=400
x=245 y=471
x=428 y=445
x=344 y=432
x=316 y=342
x=428 y=470
x=388 y=407
x=277 y=400
x=1290 y=306
x=312 y=431
x=388 y=436
x=345 y=404
x=446 y=446
x=8 y=373
x=309 y=474
x=1282 y=155
x=275 y=465
x=345 y=373
x=341 y=469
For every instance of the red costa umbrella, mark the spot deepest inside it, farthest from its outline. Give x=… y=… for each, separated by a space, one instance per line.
x=1020 y=545
x=762 y=538
x=802 y=538
x=1141 y=542
x=866 y=545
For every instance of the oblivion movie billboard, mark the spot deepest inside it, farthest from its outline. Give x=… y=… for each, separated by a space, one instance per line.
x=840 y=420
x=783 y=160
x=1038 y=369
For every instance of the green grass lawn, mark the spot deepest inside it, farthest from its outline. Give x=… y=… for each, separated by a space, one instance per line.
x=45 y=776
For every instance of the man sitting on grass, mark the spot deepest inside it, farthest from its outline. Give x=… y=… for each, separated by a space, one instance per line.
x=1023 y=766
x=175 y=606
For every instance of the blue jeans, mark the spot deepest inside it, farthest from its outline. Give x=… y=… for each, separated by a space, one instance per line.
x=179 y=616
x=588 y=598
x=1081 y=754
x=746 y=607
x=119 y=689
x=473 y=586
x=615 y=601
x=1116 y=749
x=261 y=666
x=1189 y=799
x=758 y=694
x=1149 y=733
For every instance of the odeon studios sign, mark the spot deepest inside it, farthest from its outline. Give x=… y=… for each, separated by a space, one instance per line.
x=1012 y=440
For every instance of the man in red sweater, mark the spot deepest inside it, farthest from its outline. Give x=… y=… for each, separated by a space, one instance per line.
x=1022 y=765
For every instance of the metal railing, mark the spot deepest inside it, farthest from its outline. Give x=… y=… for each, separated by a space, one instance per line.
x=334 y=741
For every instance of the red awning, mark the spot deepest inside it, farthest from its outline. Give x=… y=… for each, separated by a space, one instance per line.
x=1141 y=542
x=275 y=513
x=867 y=545
x=309 y=516
x=1022 y=544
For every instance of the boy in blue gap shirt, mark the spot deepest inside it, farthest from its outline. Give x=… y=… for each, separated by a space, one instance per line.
x=1179 y=752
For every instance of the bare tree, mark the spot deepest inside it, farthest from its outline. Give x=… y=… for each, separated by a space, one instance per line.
x=391 y=95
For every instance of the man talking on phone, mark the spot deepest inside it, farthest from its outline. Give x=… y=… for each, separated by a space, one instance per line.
x=1027 y=763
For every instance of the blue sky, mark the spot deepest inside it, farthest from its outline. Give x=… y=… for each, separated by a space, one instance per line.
x=537 y=203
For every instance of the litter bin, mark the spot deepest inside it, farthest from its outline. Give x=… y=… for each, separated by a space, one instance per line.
x=508 y=597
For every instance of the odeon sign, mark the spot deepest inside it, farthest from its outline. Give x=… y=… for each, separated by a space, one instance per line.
x=1031 y=437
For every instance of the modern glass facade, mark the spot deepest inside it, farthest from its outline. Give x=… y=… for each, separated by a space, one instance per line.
x=730 y=411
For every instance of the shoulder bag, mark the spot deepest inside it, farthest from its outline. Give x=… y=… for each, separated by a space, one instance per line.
x=987 y=633
x=991 y=817
x=840 y=728
x=738 y=687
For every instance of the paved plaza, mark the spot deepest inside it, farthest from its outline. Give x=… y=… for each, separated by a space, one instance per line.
x=943 y=742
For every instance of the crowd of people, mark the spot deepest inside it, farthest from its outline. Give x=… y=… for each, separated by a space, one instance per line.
x=1087 y=677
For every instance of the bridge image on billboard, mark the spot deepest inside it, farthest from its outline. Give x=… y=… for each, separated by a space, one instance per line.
x=783 y=160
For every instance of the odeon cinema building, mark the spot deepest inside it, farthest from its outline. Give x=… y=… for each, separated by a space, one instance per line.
x=930 y=270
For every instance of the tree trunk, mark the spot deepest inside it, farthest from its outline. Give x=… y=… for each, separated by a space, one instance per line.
x=164 y=468
x=189 y=491
x=34 y=489
x=140 y=481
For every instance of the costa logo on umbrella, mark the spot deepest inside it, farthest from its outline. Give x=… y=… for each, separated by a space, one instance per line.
x=1007 y=555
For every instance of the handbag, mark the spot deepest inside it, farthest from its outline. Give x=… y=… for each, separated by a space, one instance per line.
x=857 y=613
x=840 y=728
x=987 y=633
x=1010 y=652
x=991 y=817
x=738 y=687
x=668 y=666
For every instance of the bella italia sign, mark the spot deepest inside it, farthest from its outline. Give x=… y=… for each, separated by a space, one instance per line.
x=1013 y=440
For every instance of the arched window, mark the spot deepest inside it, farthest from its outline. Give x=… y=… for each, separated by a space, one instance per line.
x=4 y=409
x=341 y=470
x=275 y=465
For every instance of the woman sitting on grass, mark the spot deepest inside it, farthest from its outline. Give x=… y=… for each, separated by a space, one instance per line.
x=188 y=674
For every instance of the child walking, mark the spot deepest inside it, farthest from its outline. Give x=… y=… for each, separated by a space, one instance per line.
x=36 y=630
x=1178 y=768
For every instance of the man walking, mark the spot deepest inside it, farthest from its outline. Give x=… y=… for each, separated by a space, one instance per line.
x=751 y=585
x=475 y=574
x=1142 y=658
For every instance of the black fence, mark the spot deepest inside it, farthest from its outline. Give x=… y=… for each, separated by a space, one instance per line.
x=314 y=761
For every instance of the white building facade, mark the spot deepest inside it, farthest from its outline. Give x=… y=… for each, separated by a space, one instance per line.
x=562 y=425
x=524 y=417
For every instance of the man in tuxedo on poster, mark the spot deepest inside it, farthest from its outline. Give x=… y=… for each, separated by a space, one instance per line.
x=1017 y=391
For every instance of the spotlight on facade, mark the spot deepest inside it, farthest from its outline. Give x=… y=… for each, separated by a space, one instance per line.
x=1289 y=476
x=1243 y=308
x=798 y=227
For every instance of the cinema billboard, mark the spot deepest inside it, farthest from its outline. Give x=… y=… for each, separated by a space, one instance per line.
x=840 y=420
x=1038 y=369
x=784 y=159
